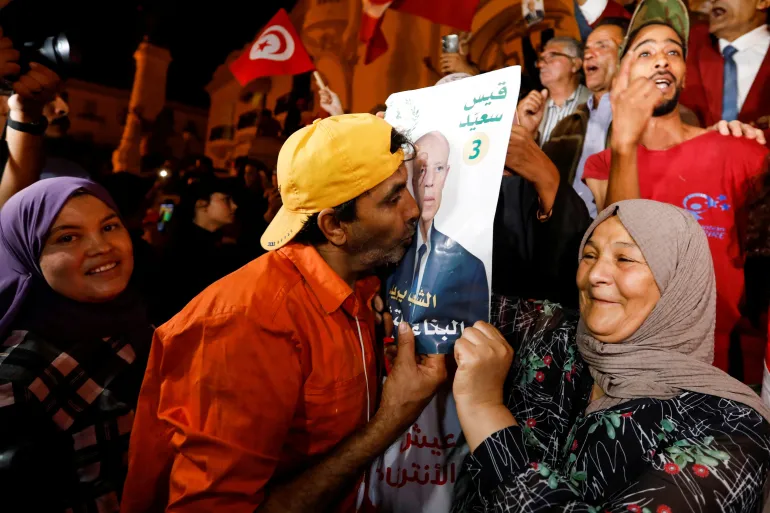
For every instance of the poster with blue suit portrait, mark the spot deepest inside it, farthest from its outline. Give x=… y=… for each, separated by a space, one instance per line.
x=460 y=131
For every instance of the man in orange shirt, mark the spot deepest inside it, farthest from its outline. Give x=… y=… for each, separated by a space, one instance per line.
x=258 y=395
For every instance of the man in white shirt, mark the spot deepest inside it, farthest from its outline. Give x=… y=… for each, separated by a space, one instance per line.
x=588 y=13
x=728 y=79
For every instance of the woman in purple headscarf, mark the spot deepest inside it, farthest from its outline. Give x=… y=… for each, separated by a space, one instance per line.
x=75 y=340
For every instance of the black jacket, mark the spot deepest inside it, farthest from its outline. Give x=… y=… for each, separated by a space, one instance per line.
x=534 y=259
x=194 y=259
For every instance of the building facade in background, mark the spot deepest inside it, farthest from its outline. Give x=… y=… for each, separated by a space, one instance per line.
x=329 y=30
x=98 y=114
x=87 y=122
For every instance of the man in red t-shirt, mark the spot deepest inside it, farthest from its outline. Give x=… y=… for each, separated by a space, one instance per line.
x=653 y=155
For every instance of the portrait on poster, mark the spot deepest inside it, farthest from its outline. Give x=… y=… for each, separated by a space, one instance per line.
x=533 y=11
x=460 y=131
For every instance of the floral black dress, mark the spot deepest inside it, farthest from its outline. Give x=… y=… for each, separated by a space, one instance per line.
x=693 y=453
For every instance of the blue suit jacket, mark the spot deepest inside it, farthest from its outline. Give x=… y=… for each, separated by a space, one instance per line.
x=454 y=294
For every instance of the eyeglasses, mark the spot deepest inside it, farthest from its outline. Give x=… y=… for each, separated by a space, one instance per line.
x=547 y=58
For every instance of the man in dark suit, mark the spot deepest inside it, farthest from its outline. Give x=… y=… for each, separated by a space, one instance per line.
x=440 y=287
x=728 y=65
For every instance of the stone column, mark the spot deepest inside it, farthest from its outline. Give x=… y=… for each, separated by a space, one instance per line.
x=147 y=99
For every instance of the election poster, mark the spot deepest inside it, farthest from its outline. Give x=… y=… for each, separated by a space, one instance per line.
x=533 y=11
x=461 y=132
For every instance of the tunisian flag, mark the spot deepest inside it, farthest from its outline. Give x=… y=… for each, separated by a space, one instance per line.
x=277 y=50
x=455 y=13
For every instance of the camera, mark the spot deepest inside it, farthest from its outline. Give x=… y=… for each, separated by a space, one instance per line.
x=450 y=43
x=56 y=52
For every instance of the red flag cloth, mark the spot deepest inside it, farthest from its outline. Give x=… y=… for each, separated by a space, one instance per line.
x=277 y=50
x=613 y=10
x=370 y=32
x=455 y=13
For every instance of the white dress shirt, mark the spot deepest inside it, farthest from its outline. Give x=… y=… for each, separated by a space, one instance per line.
x=592 y=10
x=752 y=48
x=424 y=261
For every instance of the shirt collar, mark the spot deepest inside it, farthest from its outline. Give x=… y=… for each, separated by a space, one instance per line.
x=331 y=290
x=758 y=36
x=605 y=100
x=420 y=242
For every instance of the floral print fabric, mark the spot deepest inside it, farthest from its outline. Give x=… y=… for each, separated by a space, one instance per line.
x=693 y=453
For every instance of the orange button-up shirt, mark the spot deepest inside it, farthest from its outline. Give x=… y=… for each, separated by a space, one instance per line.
x=256 y=376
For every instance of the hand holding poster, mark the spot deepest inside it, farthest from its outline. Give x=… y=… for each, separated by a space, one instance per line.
x=461 y=133
x=442 y=285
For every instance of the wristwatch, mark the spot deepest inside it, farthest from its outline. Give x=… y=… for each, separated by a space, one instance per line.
x=37 y=128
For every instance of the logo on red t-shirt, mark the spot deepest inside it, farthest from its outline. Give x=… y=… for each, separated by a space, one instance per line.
x=699 y=203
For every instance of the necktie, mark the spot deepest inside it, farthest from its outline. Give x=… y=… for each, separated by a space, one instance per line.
x=583 y=27
x=420 y=255
x=730 y=90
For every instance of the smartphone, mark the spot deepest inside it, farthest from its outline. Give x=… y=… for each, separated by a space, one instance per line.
x=450 y=43
x=165 y=213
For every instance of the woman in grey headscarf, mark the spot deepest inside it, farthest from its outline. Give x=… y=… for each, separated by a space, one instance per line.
x=618 y=409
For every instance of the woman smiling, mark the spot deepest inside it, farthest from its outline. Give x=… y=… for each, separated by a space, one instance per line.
x=76 y=340
x=619 y=409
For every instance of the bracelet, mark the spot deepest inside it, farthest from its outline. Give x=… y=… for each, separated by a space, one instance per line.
x=540 y=216
x=544 y=217
x=37 y=128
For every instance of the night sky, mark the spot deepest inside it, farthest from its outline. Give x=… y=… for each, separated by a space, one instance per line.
x=110 y=30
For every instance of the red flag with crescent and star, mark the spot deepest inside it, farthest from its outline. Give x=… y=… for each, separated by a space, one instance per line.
x=277 y=50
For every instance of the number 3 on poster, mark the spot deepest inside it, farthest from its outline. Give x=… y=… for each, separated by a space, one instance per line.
x=475 y=149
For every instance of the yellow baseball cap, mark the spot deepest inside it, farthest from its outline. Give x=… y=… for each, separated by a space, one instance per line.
x=326 y=164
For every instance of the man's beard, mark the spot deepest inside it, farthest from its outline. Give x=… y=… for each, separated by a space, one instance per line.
x=372 y=254
x=668 y=106
x=379 y=257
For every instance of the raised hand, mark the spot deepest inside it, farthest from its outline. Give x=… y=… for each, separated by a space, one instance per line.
x=330 y=102
x=525 y=157
x=411 y=383
x=483 y=359
x=737 y=129
x=531 y=109
x=633 y=103
x=455 y=63
x=34 y=90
